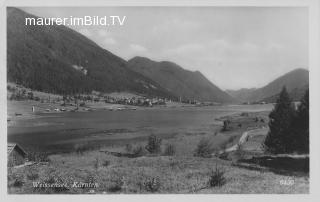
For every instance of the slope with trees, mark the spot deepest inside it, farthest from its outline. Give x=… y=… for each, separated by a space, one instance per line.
x=59 y=60
x=181 y=82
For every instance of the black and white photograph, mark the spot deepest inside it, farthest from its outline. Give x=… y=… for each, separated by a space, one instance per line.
x=158 y=99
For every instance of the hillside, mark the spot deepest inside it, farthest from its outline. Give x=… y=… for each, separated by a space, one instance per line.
x=295 y=94
x=59 y=60
x=296 y=82
x=241 y=94
x=182 y=83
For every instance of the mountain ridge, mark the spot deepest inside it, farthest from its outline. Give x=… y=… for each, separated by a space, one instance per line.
x=296 y=82
x=189 y=85
x=48 y=58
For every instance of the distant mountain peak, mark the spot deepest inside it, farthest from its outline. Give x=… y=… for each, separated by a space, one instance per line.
x=296 y=81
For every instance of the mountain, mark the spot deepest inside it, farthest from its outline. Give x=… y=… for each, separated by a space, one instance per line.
x=182 y=83
x=295 y=94
x=57 y=59
x=241 y=94
x=296 y=82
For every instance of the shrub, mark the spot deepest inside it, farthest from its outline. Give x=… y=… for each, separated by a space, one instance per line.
x=169 y=150
x=11 y=88
x=204 y=148
x=128 y=148
x=217 y=177
x=96 y=163
x=18 y=180
x=116 y=184
x=154 y=144
x=226 y=124
x=30 y=95
x=106 y=163
x=256 y=119
x=246 y=114
x=32 y=174
x=36 y=98
x=81 y=148
x=152 y=184
x=18 y=183
x=138 y=151
x=38 y=156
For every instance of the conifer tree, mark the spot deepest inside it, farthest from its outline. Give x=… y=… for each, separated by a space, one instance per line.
x=279 y=138
x=300 y=126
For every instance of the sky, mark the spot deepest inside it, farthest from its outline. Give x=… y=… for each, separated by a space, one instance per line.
x=234 y=47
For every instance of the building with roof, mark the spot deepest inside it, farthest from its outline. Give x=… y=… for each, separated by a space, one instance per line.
x=16 y=155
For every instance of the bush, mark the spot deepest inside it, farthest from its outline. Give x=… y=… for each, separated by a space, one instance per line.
x=18 y=180
x=138 y=151
x=116 y=184
x=32 y=174
x=217 y=177
x=154 y=144
x=169 y=150
x=246 y=114
x=96 y=163
x=81 y=148
x=128 y=148
x=106 y=163
x=30 y=95
x=38 y=156
x=36 y=98
x=152 y=184
x=204 y=148
x=226 y=124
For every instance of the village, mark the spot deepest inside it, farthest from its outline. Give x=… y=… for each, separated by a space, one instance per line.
x=47 y=102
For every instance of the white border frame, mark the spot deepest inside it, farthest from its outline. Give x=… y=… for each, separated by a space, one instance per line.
x=314 y=68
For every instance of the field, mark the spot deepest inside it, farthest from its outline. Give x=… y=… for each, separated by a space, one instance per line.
x=176 y=174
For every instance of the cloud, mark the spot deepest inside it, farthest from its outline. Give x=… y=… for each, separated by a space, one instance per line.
x=186 y=48
x=175 y=25
x=109 y=41
x=137 y=48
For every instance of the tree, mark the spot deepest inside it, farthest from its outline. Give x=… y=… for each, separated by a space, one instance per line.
x=301 y=125
x=154 y=144
x=279 y=138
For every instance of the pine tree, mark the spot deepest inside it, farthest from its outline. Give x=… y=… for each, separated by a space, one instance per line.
x=301 y=125
x=279 y=138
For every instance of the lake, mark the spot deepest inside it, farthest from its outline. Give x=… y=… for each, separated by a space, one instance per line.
x=60 y=131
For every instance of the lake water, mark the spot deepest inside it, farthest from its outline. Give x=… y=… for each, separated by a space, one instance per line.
x=59 y=131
